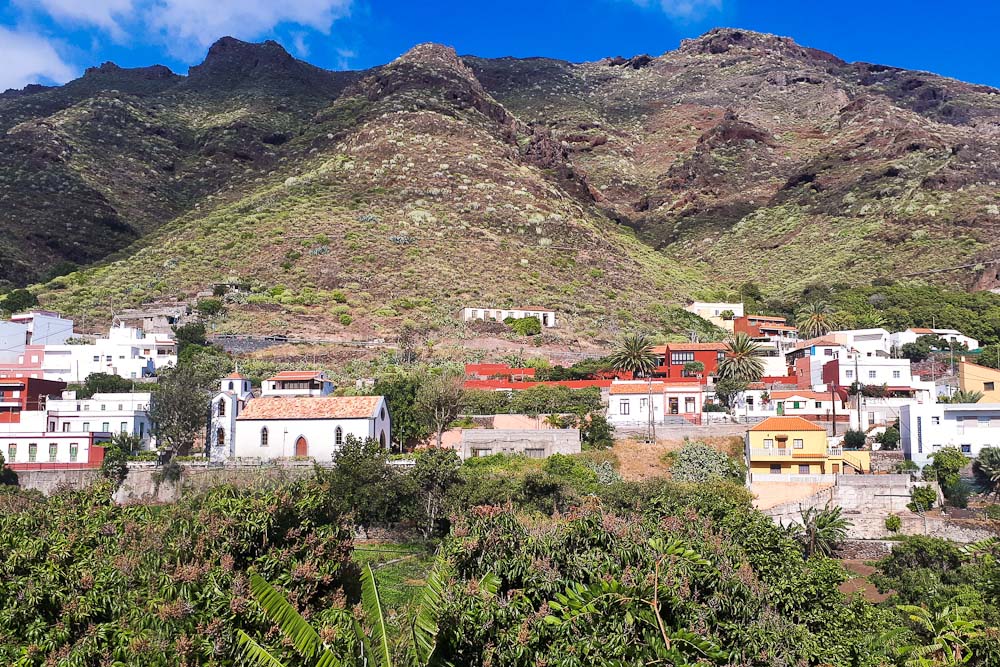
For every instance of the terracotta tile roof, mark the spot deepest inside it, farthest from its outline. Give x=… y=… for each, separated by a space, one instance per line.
x=635 y=388
x=296 y=375
x=809 y=395
x=921 y=330
x=235 y=376
x=767 y=318
x=781 y=327
x=678 y=347
x=787 y=424
x=315 y=407
x=816 y=341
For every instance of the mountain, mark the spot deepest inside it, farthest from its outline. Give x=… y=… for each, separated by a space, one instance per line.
x=355 y=201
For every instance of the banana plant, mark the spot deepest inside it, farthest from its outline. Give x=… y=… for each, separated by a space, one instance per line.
x=372 y=650
x=948 y=632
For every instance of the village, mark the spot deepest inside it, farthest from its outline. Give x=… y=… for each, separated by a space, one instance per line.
x=819 y=417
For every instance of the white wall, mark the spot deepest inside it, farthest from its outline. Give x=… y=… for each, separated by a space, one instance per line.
x=546 y=317
x=12 y=341
x=688 y=403
x=319 y=434
x=927 y=428
x=22 y=445
x=103 y=413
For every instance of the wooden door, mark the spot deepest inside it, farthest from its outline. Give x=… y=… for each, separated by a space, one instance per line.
x=301 y=447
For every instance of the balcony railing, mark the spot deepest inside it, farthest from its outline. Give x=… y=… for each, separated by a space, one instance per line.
x=777 y=453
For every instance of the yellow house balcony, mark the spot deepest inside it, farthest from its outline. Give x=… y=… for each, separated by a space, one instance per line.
x=789 y=453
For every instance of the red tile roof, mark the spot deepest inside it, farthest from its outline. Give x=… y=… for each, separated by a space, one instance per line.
x=634 y=388
x=787 y=424
x=315 y=407
x=235 y=376
x=492 y=385
x=296 y=375
x=921 y=330
x=696 y=346
x=810 y=395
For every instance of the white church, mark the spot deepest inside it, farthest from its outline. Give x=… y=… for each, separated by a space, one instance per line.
x=295 y=416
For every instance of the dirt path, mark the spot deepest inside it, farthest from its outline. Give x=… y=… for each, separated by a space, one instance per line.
x=860 y=582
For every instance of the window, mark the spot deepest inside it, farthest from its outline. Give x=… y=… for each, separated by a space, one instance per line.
x=105 y=427
x=689 y=404
x=803 y=469
x=819 y=404
x=230 y=386
x=263 y=437
x=381 y=413
x=222 y=407
x=86 y=427
x=935 y=420
x=984 y=421
x=97 y=358
x=11 y=452
x=797 y=444
x=103 y=407
x=623 y=407
x=52 y=426
x=108 y=357
x=988 y=386
x=796 y=405
x=775 y=468
x=482 y=452
x=338 y=436
x=220 y=436
x=53 y=452
x=849 y=374
x=32 y=452
x=828 y=352
x=65 y=427
x=642 y=404
x=896 y=375
x=681 y=357
x=871 y=375
x=124 y=427
x=534 y=453
x=74 y=451
x=768 y=443
x=142 y=429
x=966 y=449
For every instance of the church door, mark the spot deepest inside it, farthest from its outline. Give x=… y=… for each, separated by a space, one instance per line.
x=301 y=447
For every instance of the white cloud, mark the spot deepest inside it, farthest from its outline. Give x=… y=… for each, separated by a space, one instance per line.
x=684 y=10
x=194 y=24
x=30 y=58
x=105 y=14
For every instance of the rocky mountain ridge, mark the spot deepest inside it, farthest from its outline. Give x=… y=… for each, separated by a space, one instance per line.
x=607 y=189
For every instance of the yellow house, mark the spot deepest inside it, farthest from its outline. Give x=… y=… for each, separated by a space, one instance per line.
x=973 y=377
x=797 y=446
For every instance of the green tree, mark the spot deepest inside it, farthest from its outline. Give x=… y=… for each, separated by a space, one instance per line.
x=365 y=486
x=400 y=392
x=821 y=530
x=7 y=476
x=854 y=439
x=742 y=362
x=209 y=307
x=633 y=354
x=114 y=467
x=946 y=634
x=129 y=443
x=962 y=396
x=727 y=390
x=439 y=400
x=698 y=462
x=889 y=439
x=435 y=472
x=596 y=432
x=922 y=499
x=986 y=468
x=816 y=319
x=946 y=464
x=190 y=334
x=524 y=326
x=104 y=383
x=693 y=368
x=18 y=300
x=179 y=409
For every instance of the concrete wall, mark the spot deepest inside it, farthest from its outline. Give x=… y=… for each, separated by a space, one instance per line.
x=552 y=441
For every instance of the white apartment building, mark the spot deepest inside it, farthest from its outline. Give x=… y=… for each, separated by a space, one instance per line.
x=274 y=427
x=297 y=383
x=544 y=315
x=101 y=413
x=912 y=334
x=36 y=327
x=929 y=427
x=865 y=341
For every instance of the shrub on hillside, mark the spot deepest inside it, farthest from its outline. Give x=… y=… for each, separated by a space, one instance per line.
x=854 y=439
x=524 y=326
x=698 y=462
x=922 y=499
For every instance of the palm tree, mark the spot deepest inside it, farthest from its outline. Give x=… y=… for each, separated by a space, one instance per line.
x=947 y=632
x=816 y=319
x=372 y=650
x=986 y=468
x=963 y=396
x=821 y=530
x=742 y=361
x=634 y=354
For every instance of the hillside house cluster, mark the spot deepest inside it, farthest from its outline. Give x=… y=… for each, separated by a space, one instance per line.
x=546 y=316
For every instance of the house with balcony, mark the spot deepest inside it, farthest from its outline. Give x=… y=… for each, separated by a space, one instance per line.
x=911 y=335
x=20 y=395
x=880 y=386
x=297 y=383
x=768 y=328
x=927 y=428
x=102 y=413
x=816 y=406
x=794 y=446
x=672 y=361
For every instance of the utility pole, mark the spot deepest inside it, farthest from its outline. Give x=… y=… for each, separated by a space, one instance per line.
x=833 y=398
x=857 y=376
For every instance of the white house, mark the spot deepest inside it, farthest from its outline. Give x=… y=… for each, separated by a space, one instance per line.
x=544 y=315
x=821 y=406
x=37 y=327
x=297 y=383
x=713 y=310
x=38 y=450
x=234 y=394
x=273 y=427
x=101 y=413
x=630 y=402
x=866 y=341
x=911 y=335
x=927 y=428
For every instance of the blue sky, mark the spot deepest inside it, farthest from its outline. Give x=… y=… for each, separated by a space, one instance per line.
x=51 y=41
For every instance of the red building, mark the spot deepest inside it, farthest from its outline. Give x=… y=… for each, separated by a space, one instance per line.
x=497 y=372
x=18 y=394
x=672 y=357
